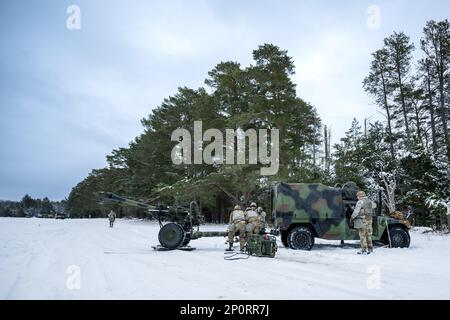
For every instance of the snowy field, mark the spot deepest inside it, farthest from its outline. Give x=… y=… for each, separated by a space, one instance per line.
x=85 y=259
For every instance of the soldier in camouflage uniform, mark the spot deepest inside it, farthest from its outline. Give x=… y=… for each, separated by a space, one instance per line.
x=253 y=220
x=362 y=217
x=262 y=217
x=112 y=218
x=238 y=221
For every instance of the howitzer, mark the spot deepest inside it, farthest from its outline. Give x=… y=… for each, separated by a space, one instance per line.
x=183 y=223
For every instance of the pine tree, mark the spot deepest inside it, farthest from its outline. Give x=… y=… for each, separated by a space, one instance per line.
x=399 y=51
x=347 y=162
x=378 y=86
x=429 y=97
x=27 y=202
x=47 y=207
x=436 y=46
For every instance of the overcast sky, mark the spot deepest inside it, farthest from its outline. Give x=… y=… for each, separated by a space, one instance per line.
x=69 y=97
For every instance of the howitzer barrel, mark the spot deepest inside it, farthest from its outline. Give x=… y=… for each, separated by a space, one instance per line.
x=200 y=234
x=133 y=203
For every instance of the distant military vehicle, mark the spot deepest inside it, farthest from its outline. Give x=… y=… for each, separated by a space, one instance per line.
x=60 y=215
x=303 y=212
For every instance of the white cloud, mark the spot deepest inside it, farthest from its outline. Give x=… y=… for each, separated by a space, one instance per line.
x=177 y=28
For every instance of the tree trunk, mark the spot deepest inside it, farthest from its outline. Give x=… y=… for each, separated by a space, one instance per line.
x=443 y=115
x=327 y=150
x=388 y=114
x=389 y=196
x=220 y=215
x=447 y=205
x=431 y=108
x=402 y=98
x=418 y=128
x=314 y=152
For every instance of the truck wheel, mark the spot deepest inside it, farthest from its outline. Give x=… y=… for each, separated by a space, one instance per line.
x=399 y=237
x=171 y=236
x=300 y=238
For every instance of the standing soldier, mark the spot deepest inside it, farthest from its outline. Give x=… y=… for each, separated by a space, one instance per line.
x=362 y=216
x=237 y=223
x=253 y=219
x=112 y=217
x=262 y=217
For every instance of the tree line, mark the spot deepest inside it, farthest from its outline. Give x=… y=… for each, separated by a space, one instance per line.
x=406 y=155
x=30 y=207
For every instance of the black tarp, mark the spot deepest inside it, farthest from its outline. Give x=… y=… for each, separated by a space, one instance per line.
x=349 y=191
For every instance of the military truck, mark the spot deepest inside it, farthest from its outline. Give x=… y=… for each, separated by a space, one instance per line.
x=303 y=212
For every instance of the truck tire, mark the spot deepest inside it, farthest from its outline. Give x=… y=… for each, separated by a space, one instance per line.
x=300 y=238
x=171 y=236
x=399 y=237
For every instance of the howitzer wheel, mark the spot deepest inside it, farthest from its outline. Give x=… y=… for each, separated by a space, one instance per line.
x=171 y=236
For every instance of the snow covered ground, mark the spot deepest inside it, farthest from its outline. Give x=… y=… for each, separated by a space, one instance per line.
x=85 y=259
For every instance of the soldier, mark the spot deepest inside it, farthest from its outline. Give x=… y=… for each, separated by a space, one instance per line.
x=253 y=220
x=262 y=217
x=362 y=216
x=237 y=223
x=112 y=217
